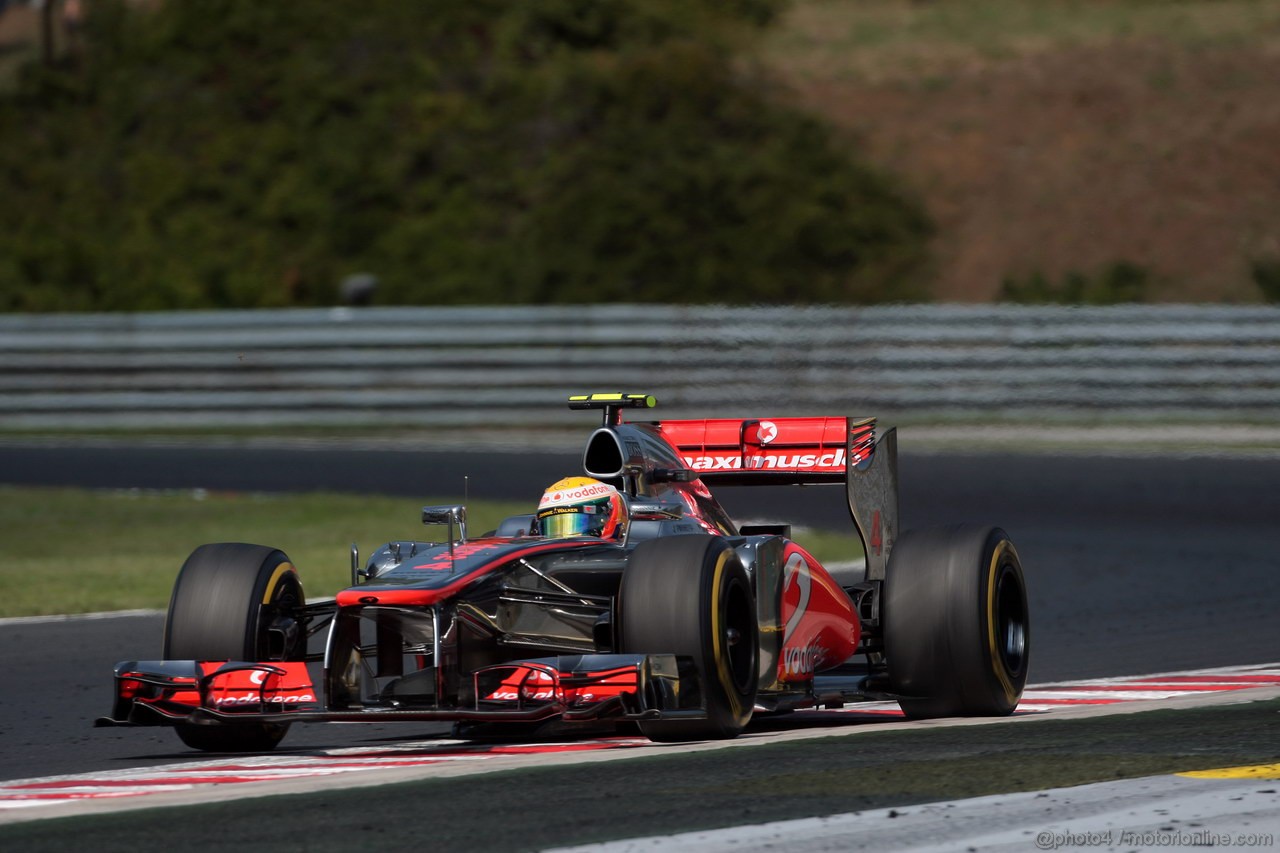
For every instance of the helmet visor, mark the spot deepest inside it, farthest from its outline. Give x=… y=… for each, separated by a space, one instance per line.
x=587 y=519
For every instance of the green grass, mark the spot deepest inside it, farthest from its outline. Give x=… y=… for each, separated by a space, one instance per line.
x=897 y=39
x=80 y=551
x=83 y=551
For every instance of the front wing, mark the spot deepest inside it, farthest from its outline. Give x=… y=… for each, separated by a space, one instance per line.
x=568 y=687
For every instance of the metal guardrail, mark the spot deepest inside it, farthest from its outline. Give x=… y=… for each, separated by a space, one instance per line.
x=464 y=367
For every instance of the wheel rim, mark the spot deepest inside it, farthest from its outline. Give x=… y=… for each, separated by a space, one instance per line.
x=1011 y=622
x=281 y=636
x=739 y=644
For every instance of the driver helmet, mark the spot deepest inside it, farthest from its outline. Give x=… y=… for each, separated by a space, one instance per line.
x=581 y=506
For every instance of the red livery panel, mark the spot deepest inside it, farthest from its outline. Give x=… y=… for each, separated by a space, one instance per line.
x=783 y=445
x=262 y=686
x=532 y=682
x=820 y=626
x=175 y=689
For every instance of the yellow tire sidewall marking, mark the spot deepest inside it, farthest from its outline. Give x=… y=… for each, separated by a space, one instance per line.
x=997 y=662
x=280 y=571
x=722 y=663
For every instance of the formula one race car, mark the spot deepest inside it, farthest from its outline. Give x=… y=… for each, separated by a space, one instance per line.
x=629 y=595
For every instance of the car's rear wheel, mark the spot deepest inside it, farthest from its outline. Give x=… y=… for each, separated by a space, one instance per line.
x=234 y=601
x=690 y=596
x=956 y=628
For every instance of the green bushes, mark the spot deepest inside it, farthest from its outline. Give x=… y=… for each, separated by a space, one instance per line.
x=213 y=153
x=1118 y=283
x=1266 y=275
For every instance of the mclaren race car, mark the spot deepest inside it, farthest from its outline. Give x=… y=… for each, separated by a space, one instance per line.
x=629 y=595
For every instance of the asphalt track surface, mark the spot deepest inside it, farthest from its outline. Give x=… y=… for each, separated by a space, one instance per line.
x=879 y=776
x=1134 y=565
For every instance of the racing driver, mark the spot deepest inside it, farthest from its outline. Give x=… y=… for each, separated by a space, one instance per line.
x=581 y=506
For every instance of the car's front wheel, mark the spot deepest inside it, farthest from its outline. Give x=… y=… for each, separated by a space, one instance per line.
x=234 y=601
x=690 y=596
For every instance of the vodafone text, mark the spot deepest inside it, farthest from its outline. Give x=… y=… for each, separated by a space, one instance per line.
x=255 y=698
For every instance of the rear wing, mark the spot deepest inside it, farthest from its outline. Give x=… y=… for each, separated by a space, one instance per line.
x=780 y=450
x=802 y=451
x=776 y=451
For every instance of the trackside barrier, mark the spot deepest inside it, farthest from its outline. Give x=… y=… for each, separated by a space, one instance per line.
x=469 y=367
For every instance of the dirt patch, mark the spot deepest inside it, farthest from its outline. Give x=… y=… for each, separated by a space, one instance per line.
x=1073 y=157
x=17 y=26
x=19 y=40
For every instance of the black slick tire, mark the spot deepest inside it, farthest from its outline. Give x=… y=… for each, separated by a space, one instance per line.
x=956 y=629
x=690 y=596
x=234 y=601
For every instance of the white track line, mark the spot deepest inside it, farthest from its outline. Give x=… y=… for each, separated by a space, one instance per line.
x=231 y=776
x=77 y=617
x=1156 y=812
